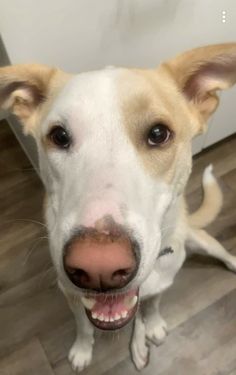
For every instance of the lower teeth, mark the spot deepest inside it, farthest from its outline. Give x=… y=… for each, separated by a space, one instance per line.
x=107 y=319
x=129 y=303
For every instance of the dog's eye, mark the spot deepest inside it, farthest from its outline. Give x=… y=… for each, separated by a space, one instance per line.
x=59 y=136
x=158 y=135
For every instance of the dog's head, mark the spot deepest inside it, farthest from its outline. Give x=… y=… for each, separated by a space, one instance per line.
x=115 y=154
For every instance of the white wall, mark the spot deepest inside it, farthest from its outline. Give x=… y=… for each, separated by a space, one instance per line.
x=87 y=34
x=80 y=35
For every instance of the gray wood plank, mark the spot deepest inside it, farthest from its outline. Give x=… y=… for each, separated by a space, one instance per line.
x=29 y=359
x=204 y=345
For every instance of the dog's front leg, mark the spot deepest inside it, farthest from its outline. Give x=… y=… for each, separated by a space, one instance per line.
x=80 y=354
x=139 y=349
x=155 y=325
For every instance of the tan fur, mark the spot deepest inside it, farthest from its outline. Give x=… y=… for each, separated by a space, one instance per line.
x=186 y=67
x=26 y=91
x=149 y=98
x=162 y=96
x=210 y=206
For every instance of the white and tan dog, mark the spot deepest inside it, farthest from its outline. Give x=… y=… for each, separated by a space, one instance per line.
x=115 y=155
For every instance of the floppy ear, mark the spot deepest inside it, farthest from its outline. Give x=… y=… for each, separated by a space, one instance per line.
x=201 y=72
x=23 y=90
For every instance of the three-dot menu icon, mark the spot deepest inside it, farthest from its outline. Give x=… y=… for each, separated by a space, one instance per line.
x=223 y=16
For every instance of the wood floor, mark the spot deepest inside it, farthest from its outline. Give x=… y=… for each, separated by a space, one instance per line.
x=36 y=326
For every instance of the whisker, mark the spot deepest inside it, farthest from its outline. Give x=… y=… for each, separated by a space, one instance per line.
x=34 y=246
x=23 y=220
x=118 y=336
x=26 y=169
x=45 y=274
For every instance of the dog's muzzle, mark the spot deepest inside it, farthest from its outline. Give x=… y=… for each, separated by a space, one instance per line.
x=102 y=262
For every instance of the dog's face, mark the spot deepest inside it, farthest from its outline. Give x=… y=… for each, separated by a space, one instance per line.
x=124 y=160
x=115 y=154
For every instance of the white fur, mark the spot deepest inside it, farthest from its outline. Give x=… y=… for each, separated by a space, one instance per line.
x=101 y=154
x=208 y=176
x=139 y=348
x=76 y=182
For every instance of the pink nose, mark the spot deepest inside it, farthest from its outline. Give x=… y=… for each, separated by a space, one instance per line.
x=100 y=262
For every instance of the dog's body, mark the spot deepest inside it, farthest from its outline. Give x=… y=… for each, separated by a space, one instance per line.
x=115 y=156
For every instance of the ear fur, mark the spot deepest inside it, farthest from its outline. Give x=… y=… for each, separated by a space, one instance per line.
x=201 y=72
x=25 y=88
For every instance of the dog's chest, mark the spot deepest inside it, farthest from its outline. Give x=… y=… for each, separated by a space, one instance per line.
x=166 y=267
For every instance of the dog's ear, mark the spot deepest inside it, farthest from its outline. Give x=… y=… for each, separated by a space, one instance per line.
x=201 y=72
x=24 y=89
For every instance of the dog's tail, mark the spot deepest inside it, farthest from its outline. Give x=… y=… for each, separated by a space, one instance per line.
x=211 y=203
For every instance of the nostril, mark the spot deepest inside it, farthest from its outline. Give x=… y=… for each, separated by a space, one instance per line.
x=122 y=274
x=70 y=271
x=78 y=276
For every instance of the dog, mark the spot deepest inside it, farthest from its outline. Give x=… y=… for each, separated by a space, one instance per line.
x=114 y=150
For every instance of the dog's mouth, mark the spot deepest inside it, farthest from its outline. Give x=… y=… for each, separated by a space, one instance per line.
x=111 y=311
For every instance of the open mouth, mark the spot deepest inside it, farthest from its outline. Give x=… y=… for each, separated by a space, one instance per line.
x=111 y=311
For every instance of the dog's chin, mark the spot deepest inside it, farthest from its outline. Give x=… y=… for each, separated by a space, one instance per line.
x=111 y=311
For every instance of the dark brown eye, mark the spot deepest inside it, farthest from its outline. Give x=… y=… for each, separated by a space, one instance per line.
x=59 y=136
x=158 y=135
